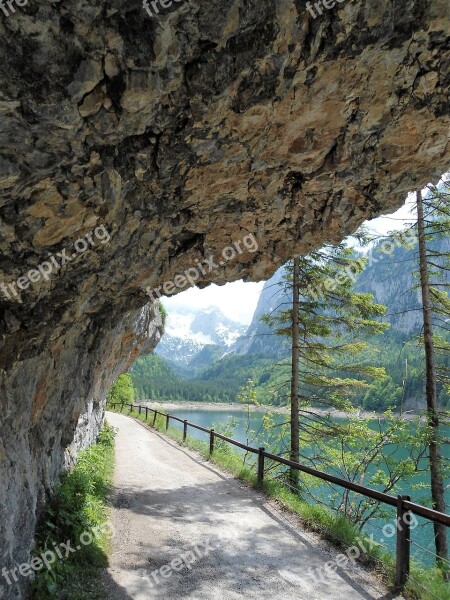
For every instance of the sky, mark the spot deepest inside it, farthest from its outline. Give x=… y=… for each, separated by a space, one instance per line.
x=238 y=300
x=398 y=220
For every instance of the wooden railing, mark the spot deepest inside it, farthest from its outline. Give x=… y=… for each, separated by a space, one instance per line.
x=402 y=503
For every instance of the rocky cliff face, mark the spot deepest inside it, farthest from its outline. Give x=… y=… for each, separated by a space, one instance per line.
x=393 y=281
x=51 y=407
x=259 y=338
x=135 y=148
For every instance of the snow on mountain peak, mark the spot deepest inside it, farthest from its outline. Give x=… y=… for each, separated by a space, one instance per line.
x=188 y=331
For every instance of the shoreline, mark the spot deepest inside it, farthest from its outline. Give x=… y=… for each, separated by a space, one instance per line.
x=238 y=407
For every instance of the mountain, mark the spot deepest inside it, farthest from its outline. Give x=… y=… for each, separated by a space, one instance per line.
x=215 y=326
x=195 y=339
x=390 y=276
x=154 y=379
x=209 y=357
x=392 y=279
x=259 y=338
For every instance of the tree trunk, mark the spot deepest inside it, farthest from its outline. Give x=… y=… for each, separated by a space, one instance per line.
x=437 y=482
x=295 y=433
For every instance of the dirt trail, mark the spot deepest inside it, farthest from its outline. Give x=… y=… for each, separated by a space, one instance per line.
x=224 y=540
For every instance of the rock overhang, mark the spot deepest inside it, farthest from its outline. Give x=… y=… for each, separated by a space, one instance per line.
x=179 y=136
x=183 y=132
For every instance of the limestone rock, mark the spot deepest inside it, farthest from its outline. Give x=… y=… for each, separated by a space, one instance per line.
x=92 y=103
x=178 y=136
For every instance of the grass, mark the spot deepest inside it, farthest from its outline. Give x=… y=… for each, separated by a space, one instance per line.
x=77 y=511
x=333 y=527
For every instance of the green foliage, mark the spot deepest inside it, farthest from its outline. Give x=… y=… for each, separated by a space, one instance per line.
x=334 y=367
x=363 y=450
x=247 y=394
x=78 y=506
x=225 y=428
x=437 y=228
x=122 y=390
x=332 y=320
x=271 y=434
x=163 y=312
x=153 y=379
x=382 y=395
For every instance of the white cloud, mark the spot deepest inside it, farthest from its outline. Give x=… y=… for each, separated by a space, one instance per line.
x=236 y=300
x=397 y=220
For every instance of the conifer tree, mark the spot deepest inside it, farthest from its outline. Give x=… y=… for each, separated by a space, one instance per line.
x=325 y=322
x=434 y=301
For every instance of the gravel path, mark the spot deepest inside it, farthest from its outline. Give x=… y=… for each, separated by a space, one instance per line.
x=183 y=529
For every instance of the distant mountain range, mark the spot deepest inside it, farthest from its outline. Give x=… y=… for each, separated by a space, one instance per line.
x=209 y=357
x=392 y=279
x=259 y=338
x=194 y=339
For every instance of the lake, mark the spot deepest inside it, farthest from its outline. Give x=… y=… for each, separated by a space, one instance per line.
x=422 y=534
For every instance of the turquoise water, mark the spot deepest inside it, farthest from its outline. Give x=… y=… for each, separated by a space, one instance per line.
x=421 y=531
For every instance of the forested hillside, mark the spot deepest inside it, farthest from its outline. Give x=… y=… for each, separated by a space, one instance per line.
x=153 y=378
x=389 y=275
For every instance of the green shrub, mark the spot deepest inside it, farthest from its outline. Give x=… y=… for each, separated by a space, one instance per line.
x=122 y=390
x=77 y=507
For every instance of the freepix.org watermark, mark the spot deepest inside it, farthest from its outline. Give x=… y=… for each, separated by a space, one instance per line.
x=327 y=4
x=54 y=263
x=152 y=7
x=59 y=552
x=405 y=239
x=183 y=562
x=324 y=573
x=9 y=4
x=191 y=275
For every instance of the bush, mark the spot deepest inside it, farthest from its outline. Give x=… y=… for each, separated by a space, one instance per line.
x=122 y=390
x=77 y=508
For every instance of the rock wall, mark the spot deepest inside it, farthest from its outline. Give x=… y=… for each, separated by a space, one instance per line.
x=134 y=148
x=86 y=431
x=52 y=406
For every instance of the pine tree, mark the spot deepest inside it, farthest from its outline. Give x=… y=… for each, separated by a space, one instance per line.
x=323 y=322
x=295 y=357
x=433 y=298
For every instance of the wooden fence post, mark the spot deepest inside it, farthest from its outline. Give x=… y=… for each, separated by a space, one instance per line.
x=185 y=429
x=154 y=418
x=260 y=475
x=167 y=421
x=146 y=413
x=211 y=441
x=403 y=542
x=140 y=409
x=131 y=408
